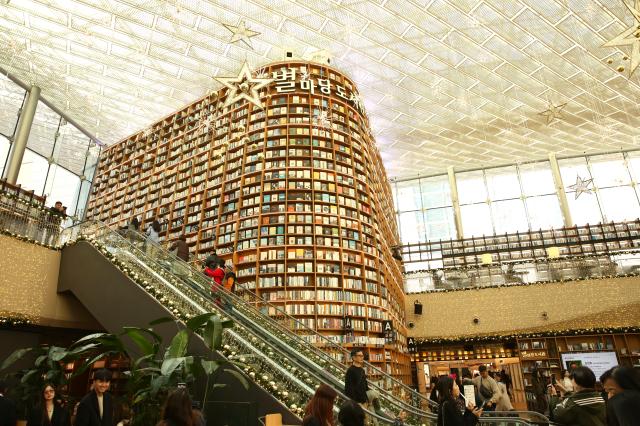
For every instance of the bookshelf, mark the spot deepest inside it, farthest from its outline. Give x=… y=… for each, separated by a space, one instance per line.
x=295 y=194
x=544 y=354
x=599 y=239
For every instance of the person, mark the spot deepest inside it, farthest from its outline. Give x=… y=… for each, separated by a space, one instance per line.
x=504 y=402
x=319 y=410
x=74 y=413
x=622 y=385
x=49 y=412
x=351 y=414
x=212 y=260
x=583 y=407
x=453 y=409
x=400 y=419
x=487 y=389
x=539 y=389
x=178 y=410
x=8 y=416
x=56 y=215
x=181 y=247
x=217 y=274
x=153 y=235
x=508 y=382
x=565 y=384
x=132 y=229
x=355 y=380
x=96 y=408
x=433 y=395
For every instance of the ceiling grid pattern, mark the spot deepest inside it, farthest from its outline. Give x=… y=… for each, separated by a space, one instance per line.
x=444 y=82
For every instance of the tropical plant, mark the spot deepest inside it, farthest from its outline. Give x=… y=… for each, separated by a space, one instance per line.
x=150 y=374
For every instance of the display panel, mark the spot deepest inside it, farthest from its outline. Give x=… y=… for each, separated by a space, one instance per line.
x=598 y=362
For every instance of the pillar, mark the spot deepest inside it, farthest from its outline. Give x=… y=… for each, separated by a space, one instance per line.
x=562 y=195
x=21 y=137
x=453 y=185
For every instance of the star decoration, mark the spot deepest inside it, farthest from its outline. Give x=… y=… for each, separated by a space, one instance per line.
x=147 y=132
x=262 y=73
x=205 y=123
x=244 y=87
x=241 y=33
x=630 y=36
x=581 y=186
x=554 y=112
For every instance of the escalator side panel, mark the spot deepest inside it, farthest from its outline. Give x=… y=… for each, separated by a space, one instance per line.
x=117 y=302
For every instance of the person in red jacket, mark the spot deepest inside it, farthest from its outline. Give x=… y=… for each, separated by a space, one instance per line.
x=218 y=275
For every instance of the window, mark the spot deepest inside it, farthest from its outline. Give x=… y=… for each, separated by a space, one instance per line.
x=408 y=196
x=476 y=220
x=544 y=212
x=471 y=187
x=509 y=216
x=503 y=183
x=435 y=192
x=537 y=179
x=33 y=172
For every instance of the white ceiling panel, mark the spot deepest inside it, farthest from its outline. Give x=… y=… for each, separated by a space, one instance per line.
x=445 y=82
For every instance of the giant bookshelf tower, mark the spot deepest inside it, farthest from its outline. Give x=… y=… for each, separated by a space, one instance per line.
x=294 y=192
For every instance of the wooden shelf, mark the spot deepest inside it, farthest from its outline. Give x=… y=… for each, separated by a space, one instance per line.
x=323 y=190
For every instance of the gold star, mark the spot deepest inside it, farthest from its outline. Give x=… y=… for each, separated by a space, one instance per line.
x=554 y=112
x=581 y=186
x=241 y=33
x=630 y=36
x=244 y=87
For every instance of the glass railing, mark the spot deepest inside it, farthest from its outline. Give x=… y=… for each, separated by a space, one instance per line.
x=267 y=360
x=274 y=322
x=621 y=264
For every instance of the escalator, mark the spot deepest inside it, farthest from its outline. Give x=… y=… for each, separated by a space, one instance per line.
x=282 y=358
x=122 y=286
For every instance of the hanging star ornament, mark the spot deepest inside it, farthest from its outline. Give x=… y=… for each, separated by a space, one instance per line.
x=322 y=119
x=554 y=113
x=244 y=87
x=630 y=36
x=241 y=33
x=581 y=186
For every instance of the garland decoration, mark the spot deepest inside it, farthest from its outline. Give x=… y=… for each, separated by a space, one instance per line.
x=29 y=240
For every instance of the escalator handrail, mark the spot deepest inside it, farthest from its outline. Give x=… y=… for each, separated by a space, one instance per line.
x=136 y=254
x=303 y=326
x=396 y=402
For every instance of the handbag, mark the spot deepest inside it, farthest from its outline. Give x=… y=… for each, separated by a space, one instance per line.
x=484 y=392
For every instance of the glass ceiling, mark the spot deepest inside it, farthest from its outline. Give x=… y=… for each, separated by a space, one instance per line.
x=468 y=83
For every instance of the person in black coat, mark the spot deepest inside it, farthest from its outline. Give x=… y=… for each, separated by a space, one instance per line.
x=49 y=412
x=355 y=380
x=96 y=408
x=452 y=410
x=8 y=415
x=623 y=387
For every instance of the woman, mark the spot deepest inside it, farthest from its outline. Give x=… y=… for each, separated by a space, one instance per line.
x=351 y=414
x=565 y=385
x=49 y=412
x=153 y=236
x=623 y=386
x=319 y=410
x=504 y=402
x=452 y=410
x=181 y=247
x=177 y=410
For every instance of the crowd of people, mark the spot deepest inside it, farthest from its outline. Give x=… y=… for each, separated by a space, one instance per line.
x=574 y=400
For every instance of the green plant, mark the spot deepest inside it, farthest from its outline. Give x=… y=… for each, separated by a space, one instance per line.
x=150 y=374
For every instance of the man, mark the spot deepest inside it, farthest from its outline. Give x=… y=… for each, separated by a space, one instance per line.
x=487 y=389
x=468 y=381
x=584 y=407
x=355 y=380
x=213 y=260
x=96 y=408
x=7 y=408
x=56 y=216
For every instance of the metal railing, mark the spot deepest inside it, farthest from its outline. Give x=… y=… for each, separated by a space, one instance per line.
x=622 y=264
x=28 y=219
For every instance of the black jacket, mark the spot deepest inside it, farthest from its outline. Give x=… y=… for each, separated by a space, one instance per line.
x=449 y=414
x=355 y=384
x=89 y=413
x=60 y=417
x=624 y=409
x=7 y=412
x=583 y=408
x=311 y=421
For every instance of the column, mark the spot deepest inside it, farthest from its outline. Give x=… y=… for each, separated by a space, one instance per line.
x=21 y=137
x=562 y=195
x=453 y=185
